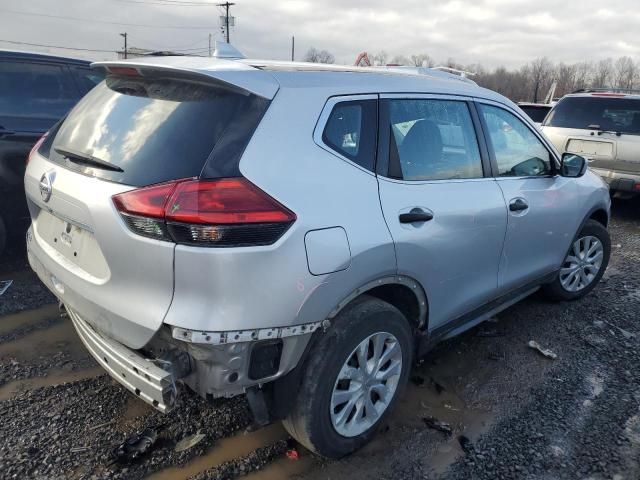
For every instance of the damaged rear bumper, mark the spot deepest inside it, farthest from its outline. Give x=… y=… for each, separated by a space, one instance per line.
x=138 y=374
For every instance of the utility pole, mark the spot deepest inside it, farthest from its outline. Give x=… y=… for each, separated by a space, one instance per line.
x=226 y=6
x=209 y=44
x=125 y=43
x=293 y=47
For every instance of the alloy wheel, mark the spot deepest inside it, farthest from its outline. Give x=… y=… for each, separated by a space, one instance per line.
x=366 y=384
x=582 y=264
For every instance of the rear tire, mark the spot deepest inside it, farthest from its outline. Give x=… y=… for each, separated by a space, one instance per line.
x=339 y=407
x=581 y=271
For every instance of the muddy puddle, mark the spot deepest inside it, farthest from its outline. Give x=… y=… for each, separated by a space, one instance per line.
x=42 y=343
x=55 y=377
x=52 y=354
x=16 y=321
x=283 y=468
x=222 y=451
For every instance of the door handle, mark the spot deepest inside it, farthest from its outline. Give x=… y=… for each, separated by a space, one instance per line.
x=415 y=215
x=518 y=205
x=4 y=132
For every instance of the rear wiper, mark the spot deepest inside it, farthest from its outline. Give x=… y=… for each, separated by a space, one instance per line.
x=89 y=160
x=601 y=131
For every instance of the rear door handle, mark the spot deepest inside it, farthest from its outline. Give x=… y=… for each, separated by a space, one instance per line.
x=415 y=215
x=518 y=205
x=4 y=132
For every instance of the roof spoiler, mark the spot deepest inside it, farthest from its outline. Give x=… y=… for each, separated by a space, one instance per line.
x=226 y=73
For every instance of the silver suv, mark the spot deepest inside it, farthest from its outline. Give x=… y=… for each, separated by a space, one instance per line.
x=299 y=233
x=604 y=126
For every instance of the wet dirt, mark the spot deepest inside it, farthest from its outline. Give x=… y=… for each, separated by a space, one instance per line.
x=283 y=468
x=44 y=343
x=29 y=318
x=53 y=377
x=224 y=451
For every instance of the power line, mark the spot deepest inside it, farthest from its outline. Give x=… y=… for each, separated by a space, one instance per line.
x=56 y=46
x=169 y=3
x=13 y=42
x=104 y=21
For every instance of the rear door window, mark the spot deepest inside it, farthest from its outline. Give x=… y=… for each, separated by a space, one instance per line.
x=351 y=131
x=618 y=114
x=432 y=140
x=148 y=130
x=35 y=91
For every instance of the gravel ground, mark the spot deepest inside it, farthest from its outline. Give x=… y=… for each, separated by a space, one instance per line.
x=526 y=416
x=26 y=291
x=69 y=431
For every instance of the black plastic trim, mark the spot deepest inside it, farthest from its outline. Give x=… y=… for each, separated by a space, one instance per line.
x=224 y=159
x=433 y=336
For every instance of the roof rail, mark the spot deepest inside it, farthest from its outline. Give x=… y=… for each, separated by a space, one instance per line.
x=454 y=71
x=629 y=91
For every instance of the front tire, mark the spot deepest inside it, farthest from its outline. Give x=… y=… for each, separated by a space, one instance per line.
x=584 y=265
x=353 y=377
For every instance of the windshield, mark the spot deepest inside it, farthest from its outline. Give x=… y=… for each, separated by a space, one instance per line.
x=617 y=114
x=146 y=130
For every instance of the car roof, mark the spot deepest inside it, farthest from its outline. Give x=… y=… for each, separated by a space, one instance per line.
x=22 y=55
x=265 y=77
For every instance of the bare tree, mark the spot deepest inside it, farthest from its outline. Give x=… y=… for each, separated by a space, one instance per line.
x=565 y=77
x=584 y=72
x=541 y=76
x=422 y=60
x=624 y=73
x=314 y=55
x=603 y=71
x=400 y=60
x=380 y=58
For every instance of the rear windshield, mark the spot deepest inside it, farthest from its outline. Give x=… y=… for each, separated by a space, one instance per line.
x=141 y=131
x=535 y=113
x=598 y=113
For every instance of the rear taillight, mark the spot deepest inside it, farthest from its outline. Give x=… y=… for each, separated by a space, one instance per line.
x=226 y=212
x=38 y=144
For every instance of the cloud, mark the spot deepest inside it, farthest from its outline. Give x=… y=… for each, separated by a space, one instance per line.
x=490 y=32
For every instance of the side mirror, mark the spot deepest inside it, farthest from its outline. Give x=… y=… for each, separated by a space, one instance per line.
x=573 y=165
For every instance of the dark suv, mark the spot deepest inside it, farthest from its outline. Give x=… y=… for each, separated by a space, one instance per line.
x=35 y=92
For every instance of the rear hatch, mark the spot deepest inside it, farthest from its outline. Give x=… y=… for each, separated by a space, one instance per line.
x=144 y=125
x=603 y=127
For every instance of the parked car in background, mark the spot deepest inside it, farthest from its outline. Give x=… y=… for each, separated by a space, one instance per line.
x=536 y=111
x=299 y=233
x=604 y=126
x=35 y=92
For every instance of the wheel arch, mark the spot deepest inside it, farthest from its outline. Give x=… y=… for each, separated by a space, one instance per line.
x=401 y=291
x=600 y=215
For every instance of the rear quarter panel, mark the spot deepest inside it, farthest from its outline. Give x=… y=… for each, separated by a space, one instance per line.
x=260 y=287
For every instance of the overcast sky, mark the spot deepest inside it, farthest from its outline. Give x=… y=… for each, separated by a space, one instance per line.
x=491 y=32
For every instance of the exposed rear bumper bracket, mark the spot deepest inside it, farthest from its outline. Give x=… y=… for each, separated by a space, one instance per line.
x=139 y=375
